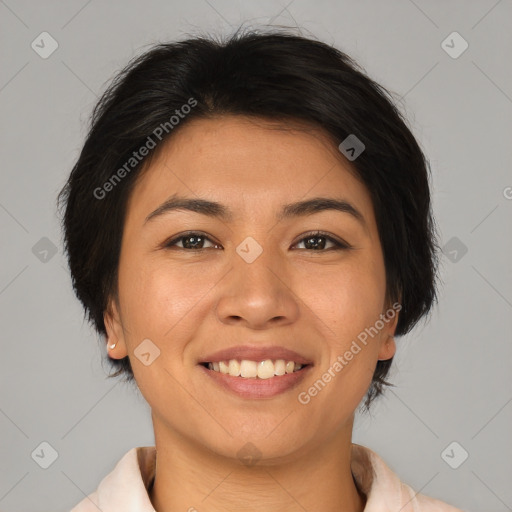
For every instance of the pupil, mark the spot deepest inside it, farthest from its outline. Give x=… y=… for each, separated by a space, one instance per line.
x=315 y=245
x=196 y=238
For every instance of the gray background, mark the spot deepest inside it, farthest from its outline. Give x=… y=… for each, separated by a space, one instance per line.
x=452 y=375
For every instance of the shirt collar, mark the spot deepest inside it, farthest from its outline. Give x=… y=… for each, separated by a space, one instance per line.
x=126 y=487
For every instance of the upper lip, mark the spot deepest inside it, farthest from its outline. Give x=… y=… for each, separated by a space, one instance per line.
x=252 y=353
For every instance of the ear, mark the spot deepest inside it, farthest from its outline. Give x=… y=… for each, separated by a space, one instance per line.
x=388 y=346
x=115 y=332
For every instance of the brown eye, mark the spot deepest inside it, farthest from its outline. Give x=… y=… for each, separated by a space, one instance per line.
x=193 y=241
x=317 y=242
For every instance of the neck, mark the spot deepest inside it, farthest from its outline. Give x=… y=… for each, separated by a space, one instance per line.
x=192 y=478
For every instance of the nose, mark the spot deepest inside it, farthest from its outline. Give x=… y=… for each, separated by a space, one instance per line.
x=257 y=295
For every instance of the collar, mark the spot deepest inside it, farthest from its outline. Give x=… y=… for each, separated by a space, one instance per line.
x=126 y=487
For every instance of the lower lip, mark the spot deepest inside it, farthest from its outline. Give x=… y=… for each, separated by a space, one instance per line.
x=257 y=388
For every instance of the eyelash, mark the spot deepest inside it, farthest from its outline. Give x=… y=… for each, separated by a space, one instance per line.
x=338 y=245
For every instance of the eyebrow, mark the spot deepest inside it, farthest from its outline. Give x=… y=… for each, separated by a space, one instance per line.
x=297 y=209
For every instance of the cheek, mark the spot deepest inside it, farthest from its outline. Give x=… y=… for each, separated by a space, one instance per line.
x=159 y=302
x=349 y=300
x=157 y=295
x=356 y=301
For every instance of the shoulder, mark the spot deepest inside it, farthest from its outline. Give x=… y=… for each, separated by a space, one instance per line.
x=384 y=490
x=88 y=504
x=125 y=487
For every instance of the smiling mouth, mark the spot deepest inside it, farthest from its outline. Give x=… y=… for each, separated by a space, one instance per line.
x=247 y=369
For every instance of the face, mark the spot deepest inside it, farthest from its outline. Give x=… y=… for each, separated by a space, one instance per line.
x=257 y=285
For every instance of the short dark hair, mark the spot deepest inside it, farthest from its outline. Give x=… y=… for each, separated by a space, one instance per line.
x=269 y=74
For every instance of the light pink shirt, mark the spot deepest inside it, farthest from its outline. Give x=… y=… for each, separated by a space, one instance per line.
x=125 y=489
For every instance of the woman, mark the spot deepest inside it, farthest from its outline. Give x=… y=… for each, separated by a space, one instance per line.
x=249 y=226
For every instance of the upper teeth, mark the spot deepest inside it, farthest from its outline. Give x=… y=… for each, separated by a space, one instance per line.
x=252 y=369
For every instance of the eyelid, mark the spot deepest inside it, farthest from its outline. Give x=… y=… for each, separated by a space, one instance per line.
x=338 y=242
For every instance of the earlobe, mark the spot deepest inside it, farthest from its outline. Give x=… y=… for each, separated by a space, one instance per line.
x=388 y=349
x=114 y=330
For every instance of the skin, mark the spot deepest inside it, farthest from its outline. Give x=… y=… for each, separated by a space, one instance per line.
x=189 y=302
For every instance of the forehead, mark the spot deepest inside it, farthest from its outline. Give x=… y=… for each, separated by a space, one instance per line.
x=251 y=164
